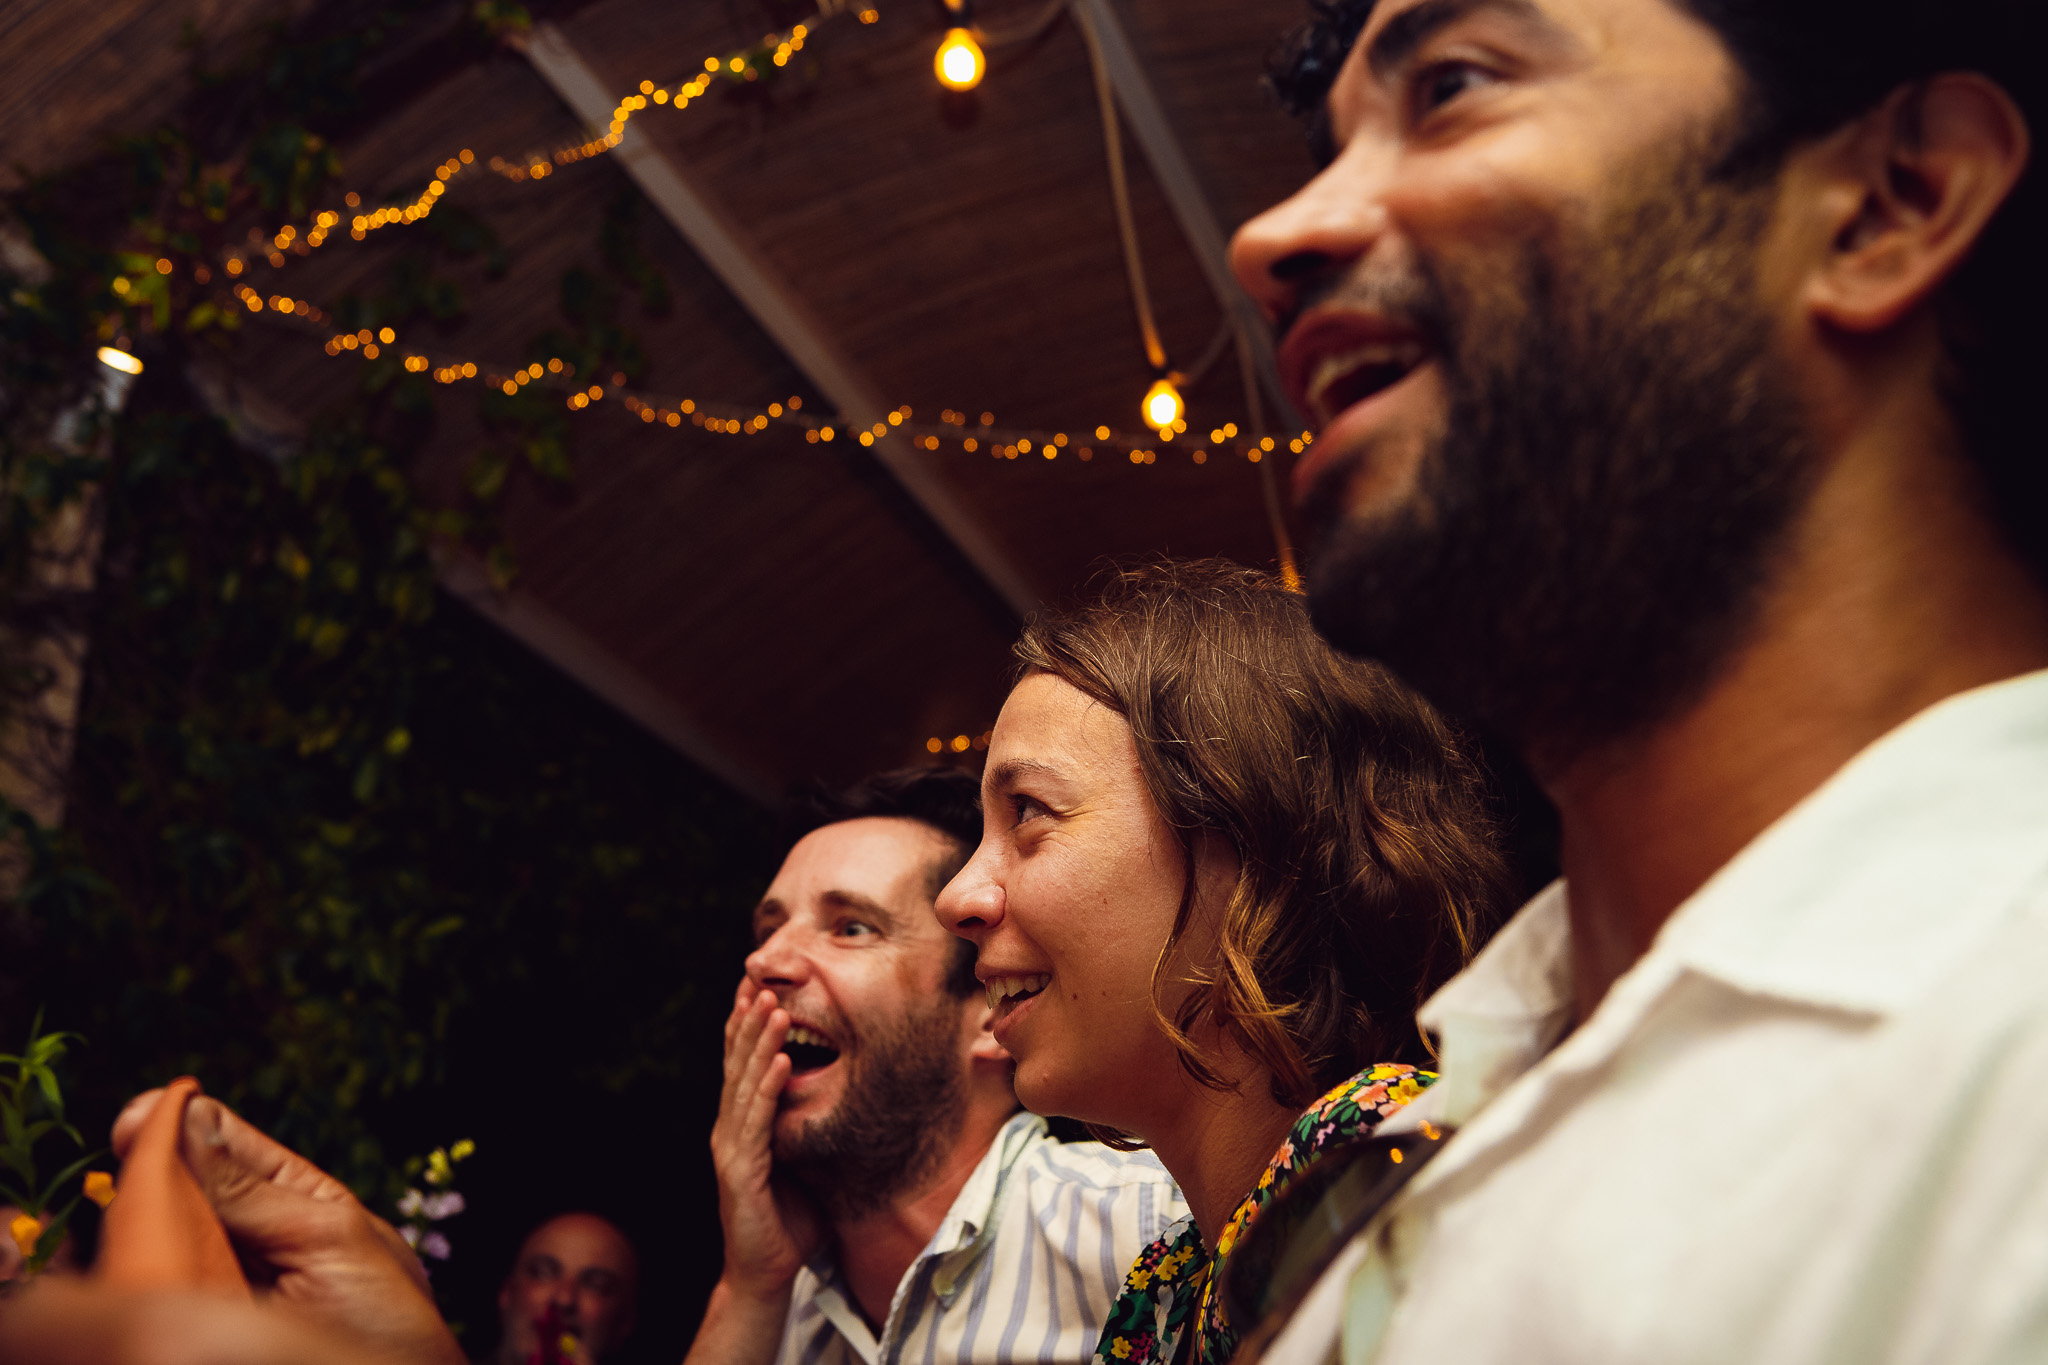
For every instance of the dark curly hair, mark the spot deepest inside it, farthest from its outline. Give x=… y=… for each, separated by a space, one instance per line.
x=1368 y=870
x=946 y=799
x=1812 y=66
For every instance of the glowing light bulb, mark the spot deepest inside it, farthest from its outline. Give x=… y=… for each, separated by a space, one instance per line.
x=1163 y=406
x=115 y=358
x=959 y=62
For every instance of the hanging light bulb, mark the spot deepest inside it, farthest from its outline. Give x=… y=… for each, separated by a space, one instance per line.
x=115 y=358
x=959 y=62
x=1163 y=406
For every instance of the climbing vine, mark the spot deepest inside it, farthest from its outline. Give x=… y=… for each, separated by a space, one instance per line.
x=317 y=818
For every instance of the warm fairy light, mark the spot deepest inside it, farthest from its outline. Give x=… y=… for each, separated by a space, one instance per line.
x=114 y=358
x=959 y=62
x=1163 y=406
x=538 y=166
x=1161 y=402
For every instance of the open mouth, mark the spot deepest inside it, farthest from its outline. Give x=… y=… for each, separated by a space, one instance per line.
x=808 y=1049
x=1344 y=378
x=1016 y=989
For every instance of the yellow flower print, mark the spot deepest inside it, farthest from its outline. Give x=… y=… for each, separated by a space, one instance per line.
x=1140 y=1278
x=1120 y=1348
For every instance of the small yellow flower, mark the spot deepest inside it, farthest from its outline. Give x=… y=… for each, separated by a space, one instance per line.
x=1140 y=1278
x=462 y=1150
x=27 y=1230
x=99 y=1187
x=1120 y=1348
x=1406 y=1090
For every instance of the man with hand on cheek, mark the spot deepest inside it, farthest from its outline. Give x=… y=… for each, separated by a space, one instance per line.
x=882 y=1196
x=1675 y=369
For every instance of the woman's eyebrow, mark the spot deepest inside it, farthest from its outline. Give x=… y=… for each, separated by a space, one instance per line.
x=1008 y=772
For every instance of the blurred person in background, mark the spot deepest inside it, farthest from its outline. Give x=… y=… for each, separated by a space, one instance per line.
x=572 y=1295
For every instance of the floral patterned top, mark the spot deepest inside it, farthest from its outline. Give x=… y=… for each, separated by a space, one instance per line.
x=1170 y=1288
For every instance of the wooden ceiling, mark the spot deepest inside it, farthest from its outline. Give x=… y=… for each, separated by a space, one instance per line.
x=782 y=609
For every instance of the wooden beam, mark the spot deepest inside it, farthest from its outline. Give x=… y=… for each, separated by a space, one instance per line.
x=1176 y=175
x=603 y=672
x=779 y=309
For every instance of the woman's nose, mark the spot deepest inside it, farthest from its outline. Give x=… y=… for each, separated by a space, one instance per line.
x=972 y=903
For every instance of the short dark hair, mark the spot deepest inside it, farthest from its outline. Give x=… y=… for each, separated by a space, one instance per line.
x=946 y=799
x=1368 y=869
x=1812 y=66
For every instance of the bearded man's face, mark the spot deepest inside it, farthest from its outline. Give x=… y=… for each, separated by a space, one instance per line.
x=901 y=1106
x=1557 y=455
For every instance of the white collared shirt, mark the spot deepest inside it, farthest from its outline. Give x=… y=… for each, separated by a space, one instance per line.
x=1810 y=1125
x=1023 y=1268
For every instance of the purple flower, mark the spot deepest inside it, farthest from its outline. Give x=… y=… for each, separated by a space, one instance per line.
x=439 y=1206
x=435 y=1245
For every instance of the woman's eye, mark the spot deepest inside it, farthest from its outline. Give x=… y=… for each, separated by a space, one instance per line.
x=1438 y=85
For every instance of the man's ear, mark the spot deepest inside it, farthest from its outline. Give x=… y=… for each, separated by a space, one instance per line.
x=985 y=1048
x=1907 y=193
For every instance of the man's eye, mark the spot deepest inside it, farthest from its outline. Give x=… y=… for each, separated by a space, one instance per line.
x=1028 y=808
x=854 y=928
x=1438 y=85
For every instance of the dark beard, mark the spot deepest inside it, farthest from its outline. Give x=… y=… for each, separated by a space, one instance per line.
x=901 y=1109
x=1619 y=471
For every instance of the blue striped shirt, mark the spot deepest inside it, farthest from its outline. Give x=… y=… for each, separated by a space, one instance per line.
x=1024 y=1266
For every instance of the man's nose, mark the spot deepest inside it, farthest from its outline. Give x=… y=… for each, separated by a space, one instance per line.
x=779 y=961
x=1318 y=231
x=971 y=905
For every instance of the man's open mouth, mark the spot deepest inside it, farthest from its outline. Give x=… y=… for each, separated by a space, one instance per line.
x=1342 y=378
x=808 y=1049
x=1019 y=988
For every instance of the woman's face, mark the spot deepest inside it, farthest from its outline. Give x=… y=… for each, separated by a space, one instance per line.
x=1069 y=899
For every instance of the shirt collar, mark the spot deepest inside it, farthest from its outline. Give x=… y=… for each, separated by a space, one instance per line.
x=1858 y=899
x=1891 y=872
x=969 y=1225
x=1504 y=1011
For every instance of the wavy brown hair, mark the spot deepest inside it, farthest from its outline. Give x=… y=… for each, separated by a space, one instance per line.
x=1368 y=867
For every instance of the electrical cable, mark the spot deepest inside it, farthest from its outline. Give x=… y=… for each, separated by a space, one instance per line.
x=1211 y=353
x=1120 y=193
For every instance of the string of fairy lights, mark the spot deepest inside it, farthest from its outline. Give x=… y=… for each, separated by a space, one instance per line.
x=971 y=433
x=278 y=247
x=959 y=64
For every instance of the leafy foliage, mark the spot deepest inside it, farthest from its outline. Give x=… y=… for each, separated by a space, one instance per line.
x=322 y=823
x=31 y=1112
